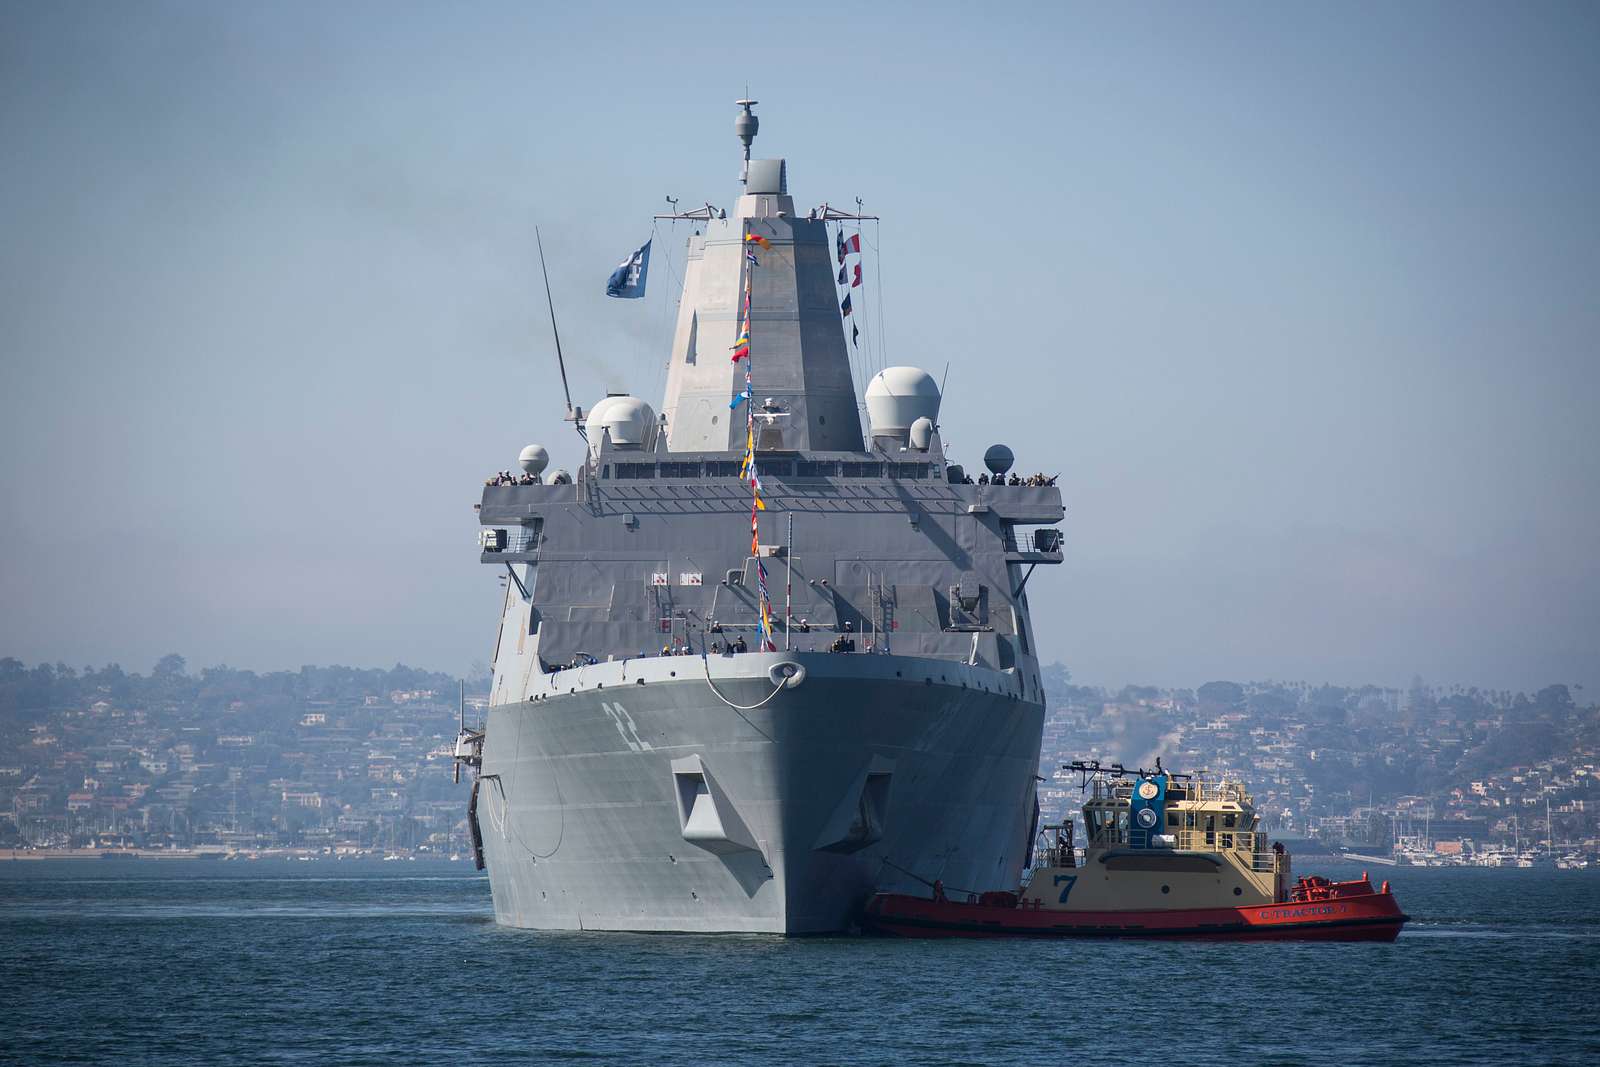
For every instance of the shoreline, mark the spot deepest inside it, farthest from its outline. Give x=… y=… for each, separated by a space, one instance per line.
x=123 y=855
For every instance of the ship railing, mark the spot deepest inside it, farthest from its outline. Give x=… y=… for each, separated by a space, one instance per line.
x=1197 y=789
x=1118 y=789
x=1255 y=848
x=1054 y=847
x=1201 y=789
x=1184 y=840
x=1218 y=840
x=1251 y=848
x=1055 y=857
x=1266 y=862
x=522 y=540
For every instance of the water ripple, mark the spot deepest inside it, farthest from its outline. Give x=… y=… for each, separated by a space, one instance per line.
x=380 y=968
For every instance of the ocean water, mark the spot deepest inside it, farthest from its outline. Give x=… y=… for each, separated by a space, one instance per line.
x=147 y=962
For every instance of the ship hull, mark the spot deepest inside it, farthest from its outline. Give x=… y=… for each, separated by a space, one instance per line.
x=1369 y=917
x=869 y=774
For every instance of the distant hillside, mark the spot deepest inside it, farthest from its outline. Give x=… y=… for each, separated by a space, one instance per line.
x=40 y=688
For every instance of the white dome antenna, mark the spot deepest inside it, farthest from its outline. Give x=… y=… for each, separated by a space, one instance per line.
x=898 y=397
x=630 y=422
x=998 y=459
x=534 y=459
x=922 y=433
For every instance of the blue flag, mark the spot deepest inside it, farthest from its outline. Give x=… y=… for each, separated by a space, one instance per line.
x=627 y=281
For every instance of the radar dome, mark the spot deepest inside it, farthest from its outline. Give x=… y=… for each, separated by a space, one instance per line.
x=998 y=459
x=534 y=459
x=591 y=421
x=898 y=397
x=560 y=477
x=922 y=434
x=628 y=419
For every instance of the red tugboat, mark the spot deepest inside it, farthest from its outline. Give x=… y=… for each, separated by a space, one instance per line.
x=1168 y=855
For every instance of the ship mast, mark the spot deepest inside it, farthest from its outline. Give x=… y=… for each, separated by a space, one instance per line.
x=746 y=126
x=808 y=399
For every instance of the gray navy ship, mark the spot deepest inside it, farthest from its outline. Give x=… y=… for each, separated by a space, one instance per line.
x=712 y=715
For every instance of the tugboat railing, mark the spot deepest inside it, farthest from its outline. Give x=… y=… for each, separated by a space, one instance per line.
x=1251 y=849
x=1196 y=789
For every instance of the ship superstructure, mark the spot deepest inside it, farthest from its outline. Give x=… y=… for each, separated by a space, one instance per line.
x=715 y=714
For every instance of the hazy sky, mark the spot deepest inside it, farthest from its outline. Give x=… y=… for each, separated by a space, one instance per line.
x=1302 y=301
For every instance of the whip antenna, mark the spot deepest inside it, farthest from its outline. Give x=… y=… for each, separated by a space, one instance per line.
x=574 y=415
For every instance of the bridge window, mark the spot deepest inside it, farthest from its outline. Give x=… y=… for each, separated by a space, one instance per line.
x=816 y=468
x=635 y=470
x=722 y=468
x=863 y=470
x=680 y=470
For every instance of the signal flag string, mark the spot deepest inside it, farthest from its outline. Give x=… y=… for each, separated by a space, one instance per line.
x=747 y=468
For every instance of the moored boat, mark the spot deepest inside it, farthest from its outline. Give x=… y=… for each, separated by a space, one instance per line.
x=1167 y=856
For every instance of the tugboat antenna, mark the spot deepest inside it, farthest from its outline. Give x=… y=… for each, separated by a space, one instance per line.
x=573 y=416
